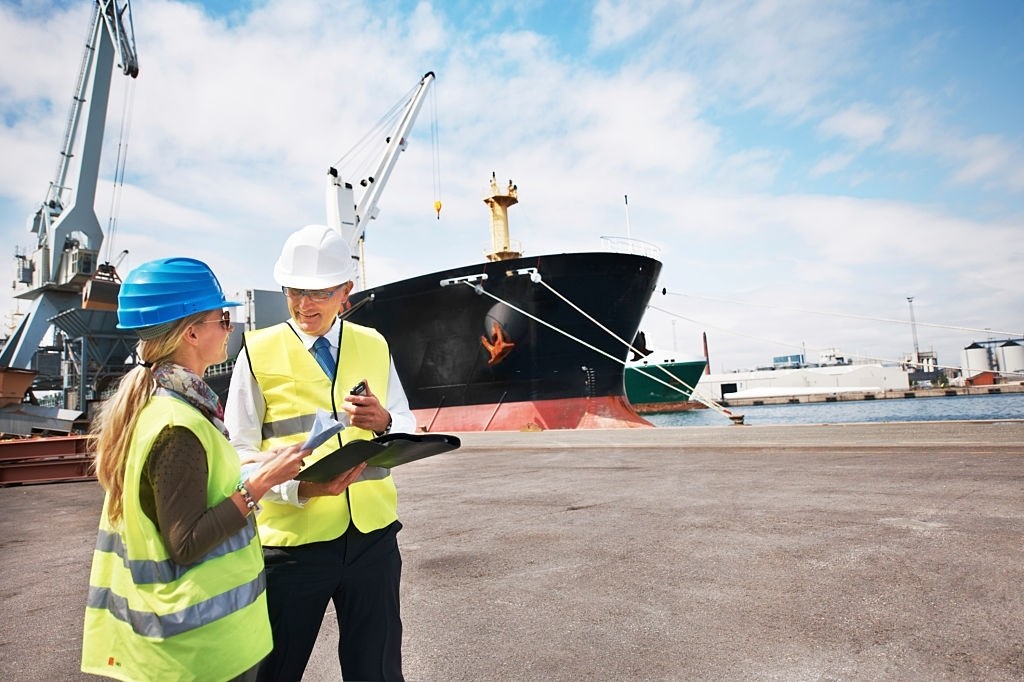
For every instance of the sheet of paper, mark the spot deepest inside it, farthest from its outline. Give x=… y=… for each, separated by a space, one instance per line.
x=324 y=427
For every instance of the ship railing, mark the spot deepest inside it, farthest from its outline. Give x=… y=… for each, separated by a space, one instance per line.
x=631 y=246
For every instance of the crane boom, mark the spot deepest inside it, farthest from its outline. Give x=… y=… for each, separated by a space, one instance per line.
x=117 y=22
x=342 y=213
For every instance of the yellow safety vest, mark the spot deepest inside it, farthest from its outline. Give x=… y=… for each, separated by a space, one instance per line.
x=149 y=618
x=294 y=387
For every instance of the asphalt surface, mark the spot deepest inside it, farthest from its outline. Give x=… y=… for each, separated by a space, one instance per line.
x=840 y=552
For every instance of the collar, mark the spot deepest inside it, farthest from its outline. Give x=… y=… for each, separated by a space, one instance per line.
x=333 y=334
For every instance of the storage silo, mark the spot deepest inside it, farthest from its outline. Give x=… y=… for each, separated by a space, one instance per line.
x=1011 y=357
x=974 y=360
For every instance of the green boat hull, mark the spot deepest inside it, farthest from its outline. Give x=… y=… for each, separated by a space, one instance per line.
x=645 y=392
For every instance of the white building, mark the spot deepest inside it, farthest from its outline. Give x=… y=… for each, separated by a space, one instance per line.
x=866 y=378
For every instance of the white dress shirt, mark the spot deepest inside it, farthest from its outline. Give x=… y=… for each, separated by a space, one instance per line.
x=245 y=408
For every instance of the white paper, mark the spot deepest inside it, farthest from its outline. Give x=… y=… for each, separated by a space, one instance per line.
x=324 y=427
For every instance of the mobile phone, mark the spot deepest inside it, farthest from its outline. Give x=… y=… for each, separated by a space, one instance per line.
x=359 y=388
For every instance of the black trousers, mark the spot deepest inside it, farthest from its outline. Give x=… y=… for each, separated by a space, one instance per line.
x=360 y=573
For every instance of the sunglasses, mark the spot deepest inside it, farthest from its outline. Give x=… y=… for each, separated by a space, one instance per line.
x=224 y=320
x=314 y=294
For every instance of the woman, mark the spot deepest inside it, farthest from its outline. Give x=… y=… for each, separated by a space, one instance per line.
x=177 y=589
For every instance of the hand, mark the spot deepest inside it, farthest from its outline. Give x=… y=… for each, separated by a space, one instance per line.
x=366 y=412
x=278 y=466
x=335 y=486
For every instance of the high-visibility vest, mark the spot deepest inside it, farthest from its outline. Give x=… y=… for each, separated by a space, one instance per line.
x=149 y=618
x=294 y=386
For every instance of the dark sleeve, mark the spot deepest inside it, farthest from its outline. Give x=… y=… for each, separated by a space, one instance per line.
x=173 y=495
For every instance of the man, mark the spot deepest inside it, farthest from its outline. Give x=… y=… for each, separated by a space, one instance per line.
x=335 y=541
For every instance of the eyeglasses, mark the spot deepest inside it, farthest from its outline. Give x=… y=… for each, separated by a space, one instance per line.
x=224 y=320
x=314 y=294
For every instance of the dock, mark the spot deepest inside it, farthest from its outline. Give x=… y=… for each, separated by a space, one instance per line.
x=840 y=395
x=889 y=551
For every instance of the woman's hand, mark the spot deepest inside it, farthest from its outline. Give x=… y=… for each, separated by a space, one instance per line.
x=280 y=465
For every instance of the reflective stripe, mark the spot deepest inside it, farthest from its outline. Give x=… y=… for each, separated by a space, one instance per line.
x=147 y=572
x=152 y=625
x=288 y=427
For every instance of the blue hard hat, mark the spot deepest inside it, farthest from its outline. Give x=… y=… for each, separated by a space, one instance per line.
x=166 y=290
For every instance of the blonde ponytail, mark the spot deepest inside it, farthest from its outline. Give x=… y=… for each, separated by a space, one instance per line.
x=114 y=424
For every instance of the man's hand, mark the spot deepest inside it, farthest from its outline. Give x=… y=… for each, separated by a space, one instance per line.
x=366 y=412
x=335 y=486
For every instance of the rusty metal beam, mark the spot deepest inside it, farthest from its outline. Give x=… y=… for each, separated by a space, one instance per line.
x=45 y=471
x=45 y=460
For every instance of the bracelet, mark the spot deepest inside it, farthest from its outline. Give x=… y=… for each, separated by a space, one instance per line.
x=387 y=429
x=250 y=503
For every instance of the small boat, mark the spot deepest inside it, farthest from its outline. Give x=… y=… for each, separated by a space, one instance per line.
x=659 y=382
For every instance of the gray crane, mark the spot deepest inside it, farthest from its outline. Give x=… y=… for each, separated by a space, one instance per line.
x=67 y=230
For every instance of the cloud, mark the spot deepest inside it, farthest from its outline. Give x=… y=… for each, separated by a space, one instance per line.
x=831 y=164
x=858 y=124
x=615 y=23
x=988 y=160
x=779 y=56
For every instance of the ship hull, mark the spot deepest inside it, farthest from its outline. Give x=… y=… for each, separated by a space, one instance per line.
x=507 y=352
x=648 y=393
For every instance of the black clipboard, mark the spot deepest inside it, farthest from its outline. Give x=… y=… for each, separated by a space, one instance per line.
x=387 y=451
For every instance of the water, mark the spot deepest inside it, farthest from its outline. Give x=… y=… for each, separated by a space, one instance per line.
x=989 y=406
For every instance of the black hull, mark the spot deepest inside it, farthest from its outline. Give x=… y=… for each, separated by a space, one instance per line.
x=436 y=333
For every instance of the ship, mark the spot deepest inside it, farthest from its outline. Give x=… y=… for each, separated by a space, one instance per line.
x=488 y=347
x=515 y=343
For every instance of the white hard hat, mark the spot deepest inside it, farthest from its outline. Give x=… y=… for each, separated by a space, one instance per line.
x=315 y=257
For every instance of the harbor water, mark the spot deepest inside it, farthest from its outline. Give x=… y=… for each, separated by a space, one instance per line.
x=975 y=407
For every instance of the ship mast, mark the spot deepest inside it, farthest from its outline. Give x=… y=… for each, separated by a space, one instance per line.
x=499 y=202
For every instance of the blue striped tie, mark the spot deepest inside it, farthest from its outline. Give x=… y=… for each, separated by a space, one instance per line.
x=322 y=353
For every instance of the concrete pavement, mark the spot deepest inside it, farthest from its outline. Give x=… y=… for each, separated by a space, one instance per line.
x=837 y=552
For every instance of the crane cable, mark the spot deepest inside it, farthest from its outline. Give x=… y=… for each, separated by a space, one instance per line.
x=127 y=110
x=435 y=150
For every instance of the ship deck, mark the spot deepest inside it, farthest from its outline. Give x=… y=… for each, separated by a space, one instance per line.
x=854 y=552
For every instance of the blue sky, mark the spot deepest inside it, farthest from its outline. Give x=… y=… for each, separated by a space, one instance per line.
x=803 y=167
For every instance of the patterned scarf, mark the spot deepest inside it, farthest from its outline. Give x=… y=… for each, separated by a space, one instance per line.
x=191 y=388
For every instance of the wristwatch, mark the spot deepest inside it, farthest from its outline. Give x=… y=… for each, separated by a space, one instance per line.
x=387 y=429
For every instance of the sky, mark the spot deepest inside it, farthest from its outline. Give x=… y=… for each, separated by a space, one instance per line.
x=802 y=167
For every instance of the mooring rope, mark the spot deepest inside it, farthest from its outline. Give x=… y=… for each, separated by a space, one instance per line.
x=536 y=278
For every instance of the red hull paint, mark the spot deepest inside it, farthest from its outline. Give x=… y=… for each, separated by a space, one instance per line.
x=607 y=412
